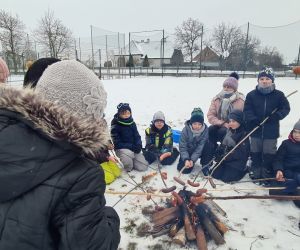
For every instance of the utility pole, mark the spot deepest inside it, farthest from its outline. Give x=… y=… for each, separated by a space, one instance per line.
x=246 y=52
x=163 y=53
x=200 y=57
x=129 y=53
x=76 y=55
x=79 y=48
x=298 y=60
x=99 y=63
x=93 y=61
x=107 y=68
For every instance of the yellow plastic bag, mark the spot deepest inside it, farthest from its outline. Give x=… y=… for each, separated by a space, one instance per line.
x=111 y=171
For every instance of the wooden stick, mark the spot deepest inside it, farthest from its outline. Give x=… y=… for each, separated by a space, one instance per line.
x=258 y=197
x=209 y=190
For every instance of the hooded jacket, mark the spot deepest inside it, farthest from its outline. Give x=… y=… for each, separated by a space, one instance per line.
x=213 y=114
x=288 y=156
x=191 y=147
x=51 y=195
x=259 y=106
x=125 y=134
x=160 y=141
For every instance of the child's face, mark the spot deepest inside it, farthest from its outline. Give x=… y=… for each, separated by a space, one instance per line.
x=265 y=81
x=233 y=124
x=228 y=89
x=125 y=114
x=296 y=135
x=196 y=126
x=159 y=124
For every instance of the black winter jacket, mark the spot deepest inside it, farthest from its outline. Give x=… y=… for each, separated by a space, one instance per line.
x=125 y=134
x=258 y=107
x=288 y=156
x=238 y=158
x=51 y=195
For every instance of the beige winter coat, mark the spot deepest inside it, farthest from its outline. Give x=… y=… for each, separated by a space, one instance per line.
x=213 y=115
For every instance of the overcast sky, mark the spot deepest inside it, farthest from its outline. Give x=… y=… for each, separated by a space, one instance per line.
x=137 y=15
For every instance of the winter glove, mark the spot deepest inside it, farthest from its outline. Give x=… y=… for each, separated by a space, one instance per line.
x=137 y=148
x=273 y=118
x=151 y=147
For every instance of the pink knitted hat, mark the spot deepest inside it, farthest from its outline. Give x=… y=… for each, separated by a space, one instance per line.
x=4 y=71
x=231 y=82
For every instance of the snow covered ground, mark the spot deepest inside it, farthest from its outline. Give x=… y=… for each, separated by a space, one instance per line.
x=255 y=224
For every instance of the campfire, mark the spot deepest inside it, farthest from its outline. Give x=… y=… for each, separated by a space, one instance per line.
x=189 y=217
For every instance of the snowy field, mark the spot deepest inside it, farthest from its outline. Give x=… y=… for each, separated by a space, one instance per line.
x=254 y=224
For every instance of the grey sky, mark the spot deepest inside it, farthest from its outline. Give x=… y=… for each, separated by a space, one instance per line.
x=136 y=15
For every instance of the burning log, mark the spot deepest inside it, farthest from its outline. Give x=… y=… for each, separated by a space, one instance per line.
x=165 y=216
x=191 y=219
x=175 y=228
x=209 y=225
x=200 y=237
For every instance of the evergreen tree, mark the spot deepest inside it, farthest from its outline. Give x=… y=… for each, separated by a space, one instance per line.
x=130 y=62
x=146 y=62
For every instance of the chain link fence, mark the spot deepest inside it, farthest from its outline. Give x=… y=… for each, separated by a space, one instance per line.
x=153 y=52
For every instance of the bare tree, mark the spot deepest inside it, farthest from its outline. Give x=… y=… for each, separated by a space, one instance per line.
x=11 y=36
x=53 y=35
x=271 y=57
x=226 y=40
x=187 y=36
x=28 y=51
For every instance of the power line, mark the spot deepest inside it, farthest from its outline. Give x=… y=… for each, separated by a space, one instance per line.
x=279 y=26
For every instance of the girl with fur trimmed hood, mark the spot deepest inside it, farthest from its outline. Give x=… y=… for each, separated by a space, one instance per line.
x=52 y=195
x=228 y=99
x=193 y=138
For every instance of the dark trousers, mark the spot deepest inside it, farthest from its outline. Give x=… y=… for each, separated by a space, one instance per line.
x=262 y=155
x=206 y=157
x=216 y=134
x=151 y=157
x=228 y=174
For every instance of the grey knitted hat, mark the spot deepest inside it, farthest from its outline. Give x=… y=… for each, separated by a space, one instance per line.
x=297 y=125
x=159 y=115
x=75 y=87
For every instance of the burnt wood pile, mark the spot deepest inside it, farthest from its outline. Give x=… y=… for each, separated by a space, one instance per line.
x=190 y=217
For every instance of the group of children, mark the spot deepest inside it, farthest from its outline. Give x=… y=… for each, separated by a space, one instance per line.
x=232 y=116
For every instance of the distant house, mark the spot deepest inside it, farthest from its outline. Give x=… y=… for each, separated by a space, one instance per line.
x=153 y=50
x=209 y=58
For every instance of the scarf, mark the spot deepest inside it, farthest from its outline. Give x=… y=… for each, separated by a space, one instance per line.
x=197 y=132
x=226 y=106
x=265 y=90
x=126 y=122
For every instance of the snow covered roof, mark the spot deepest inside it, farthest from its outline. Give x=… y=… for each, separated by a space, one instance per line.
x=150 y=48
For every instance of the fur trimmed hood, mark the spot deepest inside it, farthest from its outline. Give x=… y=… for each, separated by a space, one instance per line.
x=54 y=121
